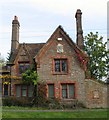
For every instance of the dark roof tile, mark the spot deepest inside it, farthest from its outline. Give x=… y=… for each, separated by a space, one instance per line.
x=32 y=49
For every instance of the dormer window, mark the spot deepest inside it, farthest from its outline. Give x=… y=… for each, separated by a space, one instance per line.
x=23 y=66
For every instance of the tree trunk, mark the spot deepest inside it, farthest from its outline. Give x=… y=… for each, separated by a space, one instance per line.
x=35 y=95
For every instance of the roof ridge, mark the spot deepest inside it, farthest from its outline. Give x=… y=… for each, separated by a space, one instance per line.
x=31 y=43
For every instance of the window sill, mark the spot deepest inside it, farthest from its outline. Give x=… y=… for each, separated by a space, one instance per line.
x=60 y=73
x=68 y=99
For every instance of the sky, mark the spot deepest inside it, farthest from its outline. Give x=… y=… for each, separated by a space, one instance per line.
x=39 y=19
x=108 y=24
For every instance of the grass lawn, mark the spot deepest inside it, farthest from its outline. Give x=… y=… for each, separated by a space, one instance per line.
x=24 y=112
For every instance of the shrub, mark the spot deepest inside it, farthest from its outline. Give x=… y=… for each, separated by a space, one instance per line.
x=54 y=104
x=14 y=101
x=41 y=99
x=7 y=101
x=73 y=104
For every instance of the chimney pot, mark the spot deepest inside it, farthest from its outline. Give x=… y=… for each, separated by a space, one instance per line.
x=15 y=18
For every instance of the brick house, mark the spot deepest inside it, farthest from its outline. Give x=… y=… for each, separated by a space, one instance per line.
x=60 y=63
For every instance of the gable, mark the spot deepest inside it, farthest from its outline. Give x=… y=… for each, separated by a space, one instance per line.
x=56 y=40
x=58 y=43
x=26 y=51
x=23 y=54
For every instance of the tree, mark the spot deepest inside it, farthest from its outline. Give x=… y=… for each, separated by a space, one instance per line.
x=2 y=61
x=9 y=56
x=31 y=77
x=96 y=49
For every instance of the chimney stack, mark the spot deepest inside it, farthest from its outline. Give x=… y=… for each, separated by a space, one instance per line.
x=79 y=40
x=15 y=34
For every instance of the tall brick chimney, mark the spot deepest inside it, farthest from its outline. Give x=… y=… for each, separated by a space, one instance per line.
x=79 y=39
x=15 y=34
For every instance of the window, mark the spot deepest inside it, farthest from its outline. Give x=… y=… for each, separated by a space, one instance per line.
x=30 y=91
x=51 y=90
x=24 y=91
x=68 y=91
x=64 y=91
x=18 y=91
x=60 y=65
x=5 y=90
x=23 y=66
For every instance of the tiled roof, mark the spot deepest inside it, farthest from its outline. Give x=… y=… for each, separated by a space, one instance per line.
x=32 y=49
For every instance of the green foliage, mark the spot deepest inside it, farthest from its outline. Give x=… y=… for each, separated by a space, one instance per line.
x=9 y=56
x=25 y=113
x=30 y=77
x=96 y=49
x=13 y=101
x=2 y=61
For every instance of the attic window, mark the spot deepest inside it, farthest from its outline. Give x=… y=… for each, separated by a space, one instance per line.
x=59 y=39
